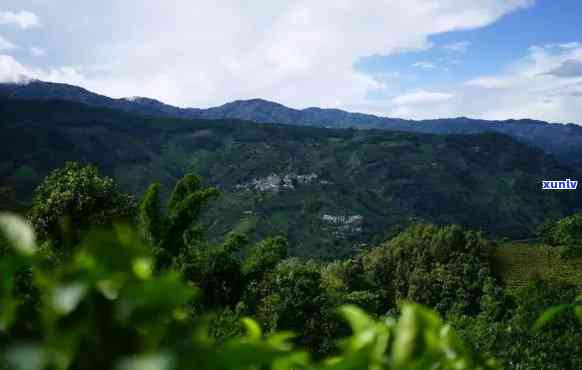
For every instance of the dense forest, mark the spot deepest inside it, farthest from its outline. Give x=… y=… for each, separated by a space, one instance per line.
x=94 y=278
x=562 y=140
x=331 y=192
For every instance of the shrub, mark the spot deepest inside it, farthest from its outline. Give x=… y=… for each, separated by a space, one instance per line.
x=105 y=308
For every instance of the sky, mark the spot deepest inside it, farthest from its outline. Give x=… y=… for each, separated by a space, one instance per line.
x=491 y=59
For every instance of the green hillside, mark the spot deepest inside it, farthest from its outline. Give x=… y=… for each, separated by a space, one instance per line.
x=329 y=191
x=517 y=264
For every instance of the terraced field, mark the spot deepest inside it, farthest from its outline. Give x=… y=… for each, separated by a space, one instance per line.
x=517 y=263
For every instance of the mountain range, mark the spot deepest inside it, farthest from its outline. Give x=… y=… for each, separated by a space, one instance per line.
x=330 y=191
x=564 y=141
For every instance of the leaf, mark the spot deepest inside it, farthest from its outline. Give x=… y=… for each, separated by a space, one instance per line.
x=8 y=308
x=67 y=297
x=416 y=331
x=549 y=314
x=125 y=233
x=19 y=233
x=26 y=357
x=281 y=340
x=143 y=267
x=253 y=329
x=109 y=288
x=240 y=354
x=450 y=343
x=357 y=318
x=9 y=266
x=154 y=361
x=295 y=360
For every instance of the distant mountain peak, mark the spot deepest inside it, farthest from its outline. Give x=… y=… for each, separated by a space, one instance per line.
x=142 y=100
x=133 y=98
x=255 y=102
x=551 y=138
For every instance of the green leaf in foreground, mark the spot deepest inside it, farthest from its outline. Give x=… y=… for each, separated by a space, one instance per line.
x=19 y=234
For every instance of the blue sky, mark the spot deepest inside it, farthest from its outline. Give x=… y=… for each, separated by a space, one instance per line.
x=461 y=55
x=491 y=59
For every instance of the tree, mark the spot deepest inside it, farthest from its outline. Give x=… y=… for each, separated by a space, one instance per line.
x=566 y=231
x=292 y=298
x=442 y=267
x=514 y=339
x=263 y=257
x=150 y=215
x=178 y=241
x=215 y=270
x=114 y=313
x=345 y=283
x=74 y=198
x=178 y=229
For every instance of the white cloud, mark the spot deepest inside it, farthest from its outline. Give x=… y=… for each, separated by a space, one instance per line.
x=37 y=52
x=545 y=85
x=425 y=65
x=526 y=89
x=421 y=97
x=6 y=45
x=23 y=19
x=300 y=53
x=568 y=45
x=460 y=46
x=430 y=66
x=568 y=69
x=11 y=71
x=489 y=82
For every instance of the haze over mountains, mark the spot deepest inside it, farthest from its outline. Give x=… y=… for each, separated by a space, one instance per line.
x=564 y=141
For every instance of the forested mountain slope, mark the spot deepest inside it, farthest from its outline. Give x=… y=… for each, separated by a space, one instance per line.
x=330 y=191
x=562 y=140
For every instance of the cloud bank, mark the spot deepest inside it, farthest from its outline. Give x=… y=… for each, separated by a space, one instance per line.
x=569 y=68
x=421 y=97
x=546 y=85
x=11 y=71
x=299 y=53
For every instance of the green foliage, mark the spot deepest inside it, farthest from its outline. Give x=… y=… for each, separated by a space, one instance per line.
x=150 y=215
x=116 y=280
x=179 y=243
x=179 y=229
x=534 y=333
x=17 y=245
x=346 y=282
x=485 y=181
x=74 y=198
x=443 y=267
x=291 y=298
x=263 y=257
x=105 y=308
x=517 y=264
x=215 y=271
x=566 y=231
